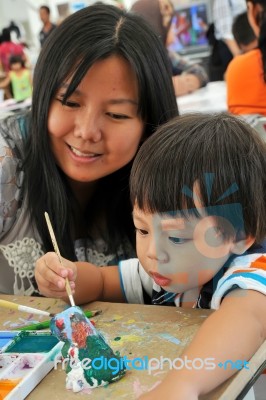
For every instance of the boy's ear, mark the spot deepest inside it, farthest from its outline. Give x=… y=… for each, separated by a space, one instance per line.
x=242 y=245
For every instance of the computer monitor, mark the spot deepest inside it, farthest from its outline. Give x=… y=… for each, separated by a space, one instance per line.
x=189 y=27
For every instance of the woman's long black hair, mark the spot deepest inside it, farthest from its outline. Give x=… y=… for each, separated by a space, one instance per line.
x=261 y=20
x=89 y=35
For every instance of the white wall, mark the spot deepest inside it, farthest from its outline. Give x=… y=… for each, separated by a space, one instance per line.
x=24 y=12
x=27 y=13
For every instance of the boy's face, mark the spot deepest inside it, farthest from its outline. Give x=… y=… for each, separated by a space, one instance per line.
x=180 y=254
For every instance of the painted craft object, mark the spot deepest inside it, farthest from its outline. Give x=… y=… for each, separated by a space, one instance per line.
x=83 y=345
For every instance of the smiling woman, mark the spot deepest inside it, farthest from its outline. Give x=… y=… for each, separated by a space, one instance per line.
x=90 y=142
x=101 y=86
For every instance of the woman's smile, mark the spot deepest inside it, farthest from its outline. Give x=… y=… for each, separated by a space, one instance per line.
x=83 y=156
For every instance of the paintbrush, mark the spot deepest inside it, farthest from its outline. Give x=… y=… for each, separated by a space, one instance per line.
x=20 y=307
x=46 y=324
x=56 y=249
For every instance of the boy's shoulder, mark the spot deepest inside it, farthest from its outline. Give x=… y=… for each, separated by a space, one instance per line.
x=247 y=272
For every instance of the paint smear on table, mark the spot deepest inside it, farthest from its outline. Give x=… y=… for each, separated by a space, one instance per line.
x=22 y=322
x=169 y=338
x=139 y=389
x=125 y=339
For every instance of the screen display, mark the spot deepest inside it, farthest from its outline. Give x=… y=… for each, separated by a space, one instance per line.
x=188 y=28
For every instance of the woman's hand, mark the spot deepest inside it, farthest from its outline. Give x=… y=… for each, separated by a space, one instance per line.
x=50 y=275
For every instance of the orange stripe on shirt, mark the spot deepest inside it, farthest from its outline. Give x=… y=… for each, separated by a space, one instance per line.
x=244 y=270
x=259 y=263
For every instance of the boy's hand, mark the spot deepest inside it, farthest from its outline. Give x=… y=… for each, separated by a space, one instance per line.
x=50 y=275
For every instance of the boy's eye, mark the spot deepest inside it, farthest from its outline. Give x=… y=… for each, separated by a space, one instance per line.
x=142 y=232
x=177 y=240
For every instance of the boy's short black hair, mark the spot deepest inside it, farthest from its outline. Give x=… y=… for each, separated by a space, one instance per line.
x=221 y=153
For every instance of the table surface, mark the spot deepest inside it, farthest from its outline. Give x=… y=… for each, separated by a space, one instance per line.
x=210 y=99
x=134 y=331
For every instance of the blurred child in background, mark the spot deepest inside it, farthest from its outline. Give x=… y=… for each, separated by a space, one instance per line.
x=244 y=34
x=19 y=78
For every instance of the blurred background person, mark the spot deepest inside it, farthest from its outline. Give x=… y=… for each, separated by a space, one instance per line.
x=246 y=74
x=15 y=32
x=19 y=78
x=224 y=45
x=187 y=76
x=48 y=26
x=8 y=49
x=244 y=34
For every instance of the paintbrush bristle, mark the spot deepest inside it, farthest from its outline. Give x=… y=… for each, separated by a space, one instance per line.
x=52 y=315
x=96 y=312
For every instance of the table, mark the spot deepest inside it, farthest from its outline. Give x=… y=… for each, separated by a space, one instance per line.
x=209 y=99
x=135 y=331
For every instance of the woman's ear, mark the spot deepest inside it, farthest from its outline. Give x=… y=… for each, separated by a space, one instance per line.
x=242 y=245
x=254 y=11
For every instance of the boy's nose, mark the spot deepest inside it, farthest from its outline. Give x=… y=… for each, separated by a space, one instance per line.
x=155 y=252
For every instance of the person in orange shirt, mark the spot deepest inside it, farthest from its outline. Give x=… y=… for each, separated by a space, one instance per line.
x=246 y=74
x=244 y=34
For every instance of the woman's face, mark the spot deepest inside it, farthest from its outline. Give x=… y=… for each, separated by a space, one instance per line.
x=98 y=131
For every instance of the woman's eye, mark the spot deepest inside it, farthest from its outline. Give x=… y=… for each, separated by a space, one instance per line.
x=118 y=116
x=177 y=240
x=68 y=103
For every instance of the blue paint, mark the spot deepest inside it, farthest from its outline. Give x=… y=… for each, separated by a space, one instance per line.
x=5 y=337
x=31 y=342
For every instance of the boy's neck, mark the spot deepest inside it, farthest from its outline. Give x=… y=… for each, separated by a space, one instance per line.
x=190 y=297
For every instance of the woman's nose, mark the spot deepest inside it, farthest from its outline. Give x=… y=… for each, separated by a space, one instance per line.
x=88 y=126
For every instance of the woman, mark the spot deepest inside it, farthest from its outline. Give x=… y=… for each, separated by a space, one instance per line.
x=101 y=87
x=246 y=74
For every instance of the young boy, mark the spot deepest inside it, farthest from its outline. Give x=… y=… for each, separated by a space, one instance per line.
x=198 y=187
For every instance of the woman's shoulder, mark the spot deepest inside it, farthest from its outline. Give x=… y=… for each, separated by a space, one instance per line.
x=14 y=131
x=10 y=170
